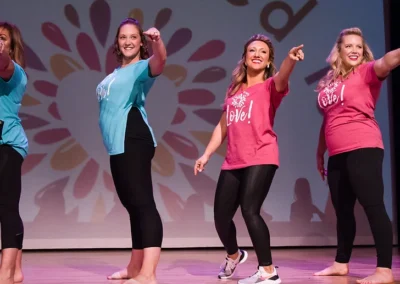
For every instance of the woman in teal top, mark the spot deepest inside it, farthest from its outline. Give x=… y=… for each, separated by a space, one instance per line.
x=130 y=142
x=13 y=150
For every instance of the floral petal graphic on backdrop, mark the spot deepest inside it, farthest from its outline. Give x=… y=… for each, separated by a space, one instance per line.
x=196 y=97
x=68 y=156
x=62 y=66
x=179 y=116
x=54 y=34
x=51 y=136
x=212 y=116
x=178 y=40
x=137 y=14
x=204 y=137
x=111 y=61
x=46 y=88
x=53 y=110
x=239 y=2
x=32 y=60
x=100 y=17
x=31 y=161
x=181 y=145
x=172 y=202
x=176 y=73
x=72 y=15
x=209 y=50
x=108 y=181
x=86 y=179
x=210 y=75
x=99 y=210
x=87 y=51
x=28 y=101
x=162 y=18
x=31 y=122
x=163 y=162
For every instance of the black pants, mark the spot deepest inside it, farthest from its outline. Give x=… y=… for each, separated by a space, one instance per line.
x=12 y=228
x=357 y=175
x=247 y=187
x=131 y=173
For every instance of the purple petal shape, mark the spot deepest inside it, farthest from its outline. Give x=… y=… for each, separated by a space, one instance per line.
x=46 y=88
x=209 y=50
x=51 y=136
x=179 y=116
x=210 y=75
x=54 y=34
x=31 y=122
x=100 y=16
x=111 y=61
x=316 y=76
x=181 y=145
x=72 y=15
x=196 y=97
x=88 y=52
x=53 y=110
x=178 y=40
x=162 y=18
x=238 y=2
x=212 y=116
x=32 y=60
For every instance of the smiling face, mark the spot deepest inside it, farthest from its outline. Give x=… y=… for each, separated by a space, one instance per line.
x=129 y=42
x=351 y=50
x=257 y=56
x=5 y=37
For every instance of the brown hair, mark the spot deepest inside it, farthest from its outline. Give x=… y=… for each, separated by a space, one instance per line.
x=16 y=44
x=334 y=60
x=144 y=51
x=239 y=74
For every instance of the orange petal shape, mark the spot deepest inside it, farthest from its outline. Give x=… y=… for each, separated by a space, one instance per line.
x=31 y=161
x=86 y=179
x=173 y=202
x=62 y=65
x=163 y=162
x=176 y=73
x=204 y=137
x=99 y=211
x=137 y=14
x=68 y=156
x=108 y=181
x=28 y=100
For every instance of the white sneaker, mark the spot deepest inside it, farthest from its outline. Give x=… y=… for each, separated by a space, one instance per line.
x=228 y=267
x=262 y=277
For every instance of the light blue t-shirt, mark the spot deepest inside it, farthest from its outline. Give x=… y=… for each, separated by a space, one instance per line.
x=11 y=93
x=120 y=91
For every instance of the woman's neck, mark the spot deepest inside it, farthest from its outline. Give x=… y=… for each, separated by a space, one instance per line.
x=128 y=61
x=253 y=78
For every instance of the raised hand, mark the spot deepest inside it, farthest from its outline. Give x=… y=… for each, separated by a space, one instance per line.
x=152 y=34
x=296 y=53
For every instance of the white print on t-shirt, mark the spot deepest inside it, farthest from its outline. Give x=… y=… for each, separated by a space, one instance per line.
x=240 y=111
x=329 y=97
x=103 y=89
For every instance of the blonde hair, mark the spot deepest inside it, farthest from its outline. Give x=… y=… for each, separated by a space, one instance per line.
x=239 y=74
x=16 y=44
x=335 y=61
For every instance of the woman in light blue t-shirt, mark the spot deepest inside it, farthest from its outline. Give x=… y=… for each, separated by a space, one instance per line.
x=129 y=140
x=13 y=150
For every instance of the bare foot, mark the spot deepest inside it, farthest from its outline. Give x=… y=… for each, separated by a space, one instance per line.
x=381 y=276
x=123 y=274
x=6 y=280
x=337 y=269
x=18 y=276
x=140 y=279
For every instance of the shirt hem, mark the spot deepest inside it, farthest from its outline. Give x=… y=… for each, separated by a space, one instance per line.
x=241 y=166
x=333 y=153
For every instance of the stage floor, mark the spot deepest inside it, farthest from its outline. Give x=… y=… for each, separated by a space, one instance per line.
x=193 y=266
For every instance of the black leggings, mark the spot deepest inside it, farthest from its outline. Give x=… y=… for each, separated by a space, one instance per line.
x=357 y=175
x=12 y=228
x=131 y=173
x=247 y=187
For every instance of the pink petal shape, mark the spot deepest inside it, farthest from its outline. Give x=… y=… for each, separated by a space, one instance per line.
x=31 y=161
x=316 y=76
x=202 y=183
x=209 y=50
x=172 y=202
x=31 y=122
x=162 y=18
x=210 y=75
x=111 y=61
x=178 y=40
x=181 y=145
x=238 y=2
x=212 y=116
x=53 y=189
x=108 y=181
x=72 y=15
x=32 y=60
x=46 y=88
x=179 y=116
x=87 y=51
x=54 y=34
x=100 y=16
x=53 y=110
x=86 y=179
x=51 y=136
x=196 y=97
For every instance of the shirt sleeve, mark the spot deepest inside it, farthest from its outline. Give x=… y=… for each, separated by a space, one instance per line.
x=276 y=97
x=18 y=79
x=368 y=72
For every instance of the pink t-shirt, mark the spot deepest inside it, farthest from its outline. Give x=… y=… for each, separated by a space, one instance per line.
x=348 y=109
x=250 y=119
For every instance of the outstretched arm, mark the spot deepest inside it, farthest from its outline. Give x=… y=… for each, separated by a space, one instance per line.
x=159 y=57
x=387 y=63
x=6 y=64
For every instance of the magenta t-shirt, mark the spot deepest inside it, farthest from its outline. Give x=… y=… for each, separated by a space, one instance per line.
x=250 y=115
x=348 y=109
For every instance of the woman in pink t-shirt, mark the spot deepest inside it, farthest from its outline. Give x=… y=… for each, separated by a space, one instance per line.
x=252 y=155
x=347 y=98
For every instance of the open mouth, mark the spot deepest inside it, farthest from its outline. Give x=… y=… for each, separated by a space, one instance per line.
x=353 y=57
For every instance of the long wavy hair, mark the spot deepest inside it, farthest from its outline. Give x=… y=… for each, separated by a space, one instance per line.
x=239 y=74
x=144 y=50
x=335 y=61
x=16 y=43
